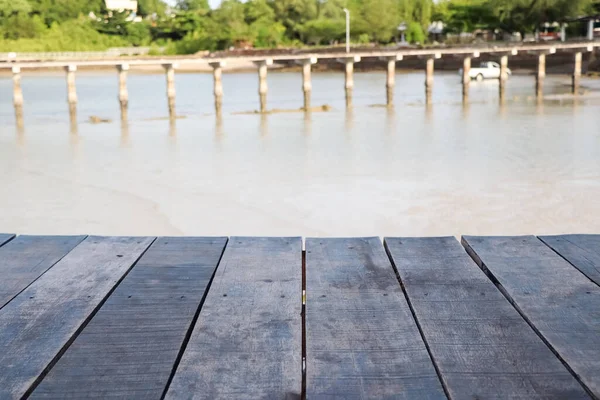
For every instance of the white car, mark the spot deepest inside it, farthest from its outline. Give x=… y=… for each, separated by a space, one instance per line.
x=486 y=70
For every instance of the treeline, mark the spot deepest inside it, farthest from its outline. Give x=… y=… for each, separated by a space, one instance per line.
x=272 y=23
x=511 y=16
x=191 y=26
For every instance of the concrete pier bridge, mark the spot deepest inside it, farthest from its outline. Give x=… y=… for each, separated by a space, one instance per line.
x=306 y=60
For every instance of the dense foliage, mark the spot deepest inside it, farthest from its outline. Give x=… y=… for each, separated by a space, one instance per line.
x=522 y=16
x=191 y=25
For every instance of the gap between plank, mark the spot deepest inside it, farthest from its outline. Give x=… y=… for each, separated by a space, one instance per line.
x=303 y=314
x=69 y=342
x=190 y=330
x=414 y=315
x=567 y=260
x=475 y=257
x=43 y=273
x=10 y=239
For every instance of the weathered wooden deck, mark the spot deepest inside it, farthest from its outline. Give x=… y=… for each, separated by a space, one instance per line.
x=224 y=318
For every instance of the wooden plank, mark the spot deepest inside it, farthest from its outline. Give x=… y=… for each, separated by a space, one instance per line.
x=26 y=258
x=583 y=251
x=5 y=237
x=361 y=338
x=129 y=349
x=247 y=343
x=38 y=324
x=560 y=303
x=481 y=345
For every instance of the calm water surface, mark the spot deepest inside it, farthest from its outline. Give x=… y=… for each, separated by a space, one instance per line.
x=521 y=168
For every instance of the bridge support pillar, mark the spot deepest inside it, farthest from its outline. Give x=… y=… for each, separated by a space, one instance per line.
x=17 y=94
x=429 y=70
x=466 y=79
x=170 y=72
x=71 y=92
x=540 y=76
x=307 y=80
x=541 y=70
x=218 y=86
x=503 y=77
x=263 y=88
x=349 y=77
x=390 y=82
x=577 y=73
x=123 y=94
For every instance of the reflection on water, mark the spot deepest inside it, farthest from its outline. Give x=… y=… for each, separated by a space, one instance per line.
x=480 y=167
x=349 y=121
x=264 y=125
x=307 y=123
x=172 y=127
x=125 y=140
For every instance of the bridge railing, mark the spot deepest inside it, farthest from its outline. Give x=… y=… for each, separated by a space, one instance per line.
x=72 y=55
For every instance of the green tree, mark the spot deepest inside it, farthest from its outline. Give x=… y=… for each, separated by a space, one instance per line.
x=415 y=33
x=138 y=34
x=150 y=7
x=63 y=10
x=323 y=30
x=422 y=12
x=256 y=10
x=193 y=5
x=380 y=18
x=8 y=7
x=464 y=15
x=114 y=23
x=178 y=26
x=416 y=11
x=73 y=35
x=333 y=9
x=293 y=14
x=267 y=35
x=264 y=29
x=231 y=20
x=526 y=15
x=21 y=25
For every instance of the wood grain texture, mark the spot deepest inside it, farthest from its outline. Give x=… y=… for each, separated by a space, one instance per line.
x=560 y=303
x=26 y=258
x=40 y=322
x=247 y=341
x=583 y=251
x=481 y=345
x=129 y=349
x=5 y=237
x=362 y=341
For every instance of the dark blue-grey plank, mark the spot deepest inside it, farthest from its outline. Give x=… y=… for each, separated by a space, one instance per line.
x=38 y=324
x=247 y=343
x=583 y=251
x=481 y=345
x=5 y=237
x=361 y=339
x=25 y=258
x=129 y=349
x=560 y=302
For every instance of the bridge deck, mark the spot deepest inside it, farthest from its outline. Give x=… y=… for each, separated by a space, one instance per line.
x=509 y=48
x=224 y=318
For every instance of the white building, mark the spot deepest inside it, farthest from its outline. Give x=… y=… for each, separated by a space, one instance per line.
x=121 y=5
